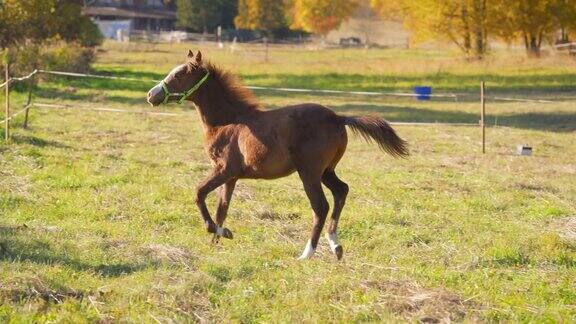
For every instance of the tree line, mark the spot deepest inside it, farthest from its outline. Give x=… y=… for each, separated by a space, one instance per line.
x=470 y=24
x=315 y=16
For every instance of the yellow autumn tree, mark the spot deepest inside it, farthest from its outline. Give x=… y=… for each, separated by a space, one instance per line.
x=466 y=23
x=321 y=16
x=389 y=9
x=535 y=21
x=471 y=23
x=265 y=15
x=565 y=14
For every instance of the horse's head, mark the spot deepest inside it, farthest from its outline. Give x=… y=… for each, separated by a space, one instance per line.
x=181 y=82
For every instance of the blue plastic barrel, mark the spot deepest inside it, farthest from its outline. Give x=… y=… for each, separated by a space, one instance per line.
x=423 y=93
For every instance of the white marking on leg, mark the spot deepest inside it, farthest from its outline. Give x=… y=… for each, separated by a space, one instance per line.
x=220 y=231
x=308 y=251
x=332 y=241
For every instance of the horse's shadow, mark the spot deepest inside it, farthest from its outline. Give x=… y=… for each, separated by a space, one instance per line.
x=18 y=244
x=37 y=141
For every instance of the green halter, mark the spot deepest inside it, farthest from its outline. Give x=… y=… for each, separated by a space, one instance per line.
x=185 y=95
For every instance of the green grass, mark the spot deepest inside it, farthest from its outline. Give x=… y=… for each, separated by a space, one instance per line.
x=353 y=69
x=98 y=221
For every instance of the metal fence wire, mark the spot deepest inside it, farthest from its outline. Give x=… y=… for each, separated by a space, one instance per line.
x=29 y=104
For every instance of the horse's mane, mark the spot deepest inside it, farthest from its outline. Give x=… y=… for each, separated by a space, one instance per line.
x=234 y=92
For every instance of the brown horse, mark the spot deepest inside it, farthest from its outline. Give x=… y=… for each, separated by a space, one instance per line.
x=245 y=142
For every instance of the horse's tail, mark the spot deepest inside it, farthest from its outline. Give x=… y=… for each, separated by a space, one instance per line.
x=379 y=130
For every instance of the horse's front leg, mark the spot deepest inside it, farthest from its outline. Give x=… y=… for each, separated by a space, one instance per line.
x=215 y=180
x=226 y=191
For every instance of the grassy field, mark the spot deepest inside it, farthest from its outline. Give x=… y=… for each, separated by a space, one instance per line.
x=98 y=221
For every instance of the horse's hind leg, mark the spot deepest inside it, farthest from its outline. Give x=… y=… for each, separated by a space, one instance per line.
x=339 y=190
x=313 y=189
x=223 y=204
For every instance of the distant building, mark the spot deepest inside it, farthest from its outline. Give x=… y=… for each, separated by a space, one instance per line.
x=117 y=17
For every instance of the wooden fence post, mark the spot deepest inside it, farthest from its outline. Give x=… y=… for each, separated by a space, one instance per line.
x=7 y=108
x=483 y=114
x=266 y=48
x=29 y=101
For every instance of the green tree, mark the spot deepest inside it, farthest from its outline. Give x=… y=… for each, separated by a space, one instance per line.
x=229 y=10
x=39 y=20
x=199 y=15
x=265 y=15
x=321 y=16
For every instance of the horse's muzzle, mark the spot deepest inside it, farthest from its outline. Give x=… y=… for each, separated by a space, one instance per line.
x=156 y=95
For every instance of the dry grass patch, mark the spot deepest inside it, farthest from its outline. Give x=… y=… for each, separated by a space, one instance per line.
x=34 y=289
x=243 y=192
x=566 y=228
x=267 y=214
x=168 y=254
x=414 y=302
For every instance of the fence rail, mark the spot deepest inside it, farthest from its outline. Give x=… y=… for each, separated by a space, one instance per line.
x=157 y=113
x=17 y=113
x=565 y=46
x=454 y=96
x=95 y=76
x=30 y=104
x=140 y=112
x=10 y=80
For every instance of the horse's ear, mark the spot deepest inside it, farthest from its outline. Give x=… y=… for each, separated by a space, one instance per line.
x=199 y=58
x=190 y=54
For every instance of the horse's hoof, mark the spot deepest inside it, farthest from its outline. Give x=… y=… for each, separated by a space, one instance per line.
x=227 y=233
x=224 y=232
x=339 y=251
x=215 y=239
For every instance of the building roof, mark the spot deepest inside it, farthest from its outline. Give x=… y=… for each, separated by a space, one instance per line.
x=130 y=13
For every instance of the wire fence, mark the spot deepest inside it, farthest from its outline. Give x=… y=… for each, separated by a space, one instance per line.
x=452 y=96
x=455 y=96
x=292 y=90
